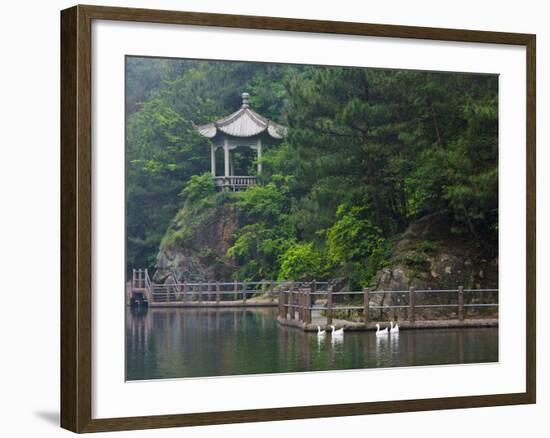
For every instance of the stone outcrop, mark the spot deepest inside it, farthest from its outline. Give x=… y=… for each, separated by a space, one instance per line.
x=196 y=245
x=428 y=256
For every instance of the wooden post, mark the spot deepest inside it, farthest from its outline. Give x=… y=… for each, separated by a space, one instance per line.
x=291 y=301
x=366 y=302
x=412 y=303
x=271 y=291
x=299 y=302
x=301 y=296
x=217 y=292
x=329 y=305
x=209 y=291
x=184 y=291
x=200 y=292
x=280 y=303
x=305 y=294
x=244 y=292
x=460 y=303
x=235 y=288
x=308 y=306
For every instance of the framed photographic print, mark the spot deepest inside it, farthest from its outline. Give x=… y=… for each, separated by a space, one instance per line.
x=268 y=218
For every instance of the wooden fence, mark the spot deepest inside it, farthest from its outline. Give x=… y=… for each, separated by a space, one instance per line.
x=217 y=292
x=298 y=303
x=173 y=292
x=296 y=300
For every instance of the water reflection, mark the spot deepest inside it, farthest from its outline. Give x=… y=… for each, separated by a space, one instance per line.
x=168 y=343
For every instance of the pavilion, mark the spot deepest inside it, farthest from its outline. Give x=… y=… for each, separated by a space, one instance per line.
x=244 y=128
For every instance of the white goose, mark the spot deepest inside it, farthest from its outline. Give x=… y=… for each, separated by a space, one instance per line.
x=321 y=333
x=339 y=332
x=381 y=332
x=394 y=329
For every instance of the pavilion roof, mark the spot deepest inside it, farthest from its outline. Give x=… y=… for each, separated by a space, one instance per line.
x=243 y=123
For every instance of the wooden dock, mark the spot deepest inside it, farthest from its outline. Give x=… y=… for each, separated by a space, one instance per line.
x=350 y=326
x=308 y=304
x=143 y=291
x=254 y=302
x=306 y=307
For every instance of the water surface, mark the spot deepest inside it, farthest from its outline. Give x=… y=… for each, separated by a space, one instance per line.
x=172 y=343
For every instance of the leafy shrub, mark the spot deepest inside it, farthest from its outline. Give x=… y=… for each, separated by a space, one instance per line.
x=264 y=202
x=353 y=237
x=302 y=262
x=199 y=187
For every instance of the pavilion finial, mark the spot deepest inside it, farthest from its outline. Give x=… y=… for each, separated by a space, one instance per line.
x=245 y=97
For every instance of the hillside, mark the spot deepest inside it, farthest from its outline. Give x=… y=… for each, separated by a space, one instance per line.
x=384 y=178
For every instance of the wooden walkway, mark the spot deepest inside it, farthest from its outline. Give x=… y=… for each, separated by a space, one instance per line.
x=142 y=291
x=253 y=302
x=307 y=305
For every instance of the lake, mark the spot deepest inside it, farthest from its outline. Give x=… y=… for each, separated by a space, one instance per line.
x=182 y=342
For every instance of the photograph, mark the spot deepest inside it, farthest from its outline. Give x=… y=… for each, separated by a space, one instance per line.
x=268 y=219
x=285 y=218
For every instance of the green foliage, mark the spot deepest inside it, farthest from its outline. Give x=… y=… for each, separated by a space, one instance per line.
x=355 y=245
x=264 y=202
x=353 y=237
x=302 y=261
x=163 y=150
x=199 y=187
x=269 y=233
x=257 y=249
x=196 y=213
x=368 y=152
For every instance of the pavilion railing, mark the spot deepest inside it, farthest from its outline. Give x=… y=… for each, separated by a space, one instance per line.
x=235 y=182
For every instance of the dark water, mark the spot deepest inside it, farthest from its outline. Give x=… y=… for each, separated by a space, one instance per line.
x=171 y=343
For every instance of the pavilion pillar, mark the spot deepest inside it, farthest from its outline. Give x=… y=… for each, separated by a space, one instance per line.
x=259 y=152
x=226 y=157
x=213 y=159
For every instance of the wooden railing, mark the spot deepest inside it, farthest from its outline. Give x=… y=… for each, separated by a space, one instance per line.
x=235 y=183
x=141 y=286
x=218 y=292
x=297 y=300
x=297 y=303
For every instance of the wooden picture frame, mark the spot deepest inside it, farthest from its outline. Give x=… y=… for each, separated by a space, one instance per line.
x=76 y=217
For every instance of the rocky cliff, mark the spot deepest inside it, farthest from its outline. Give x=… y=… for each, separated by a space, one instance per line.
x=196 y=244
x=429 y=256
